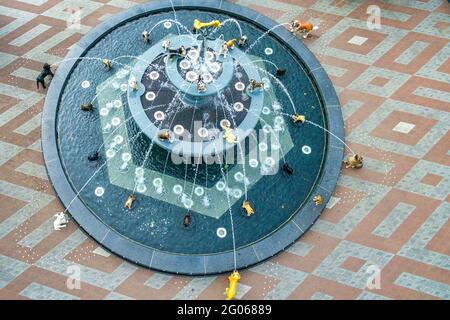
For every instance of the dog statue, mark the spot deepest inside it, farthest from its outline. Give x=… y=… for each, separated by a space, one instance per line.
x=133 y=83
x=46 y=71
x=303 y=28
x=288 y=169
x=224 y=50
x=61 y=221
x=248 y=208
x=166 y=44
x=87 y=107
x=298 y=118
x=165 y=136
x=229 y=135
x=232 y=287
x=318 y=200
x=181 y=51
x=146 y=36
x=230 y=43
x=107 y=64
x=354 y=161
x=129 y=202
x=187 y=220
x=201 y=86
x=280 y=72
x=255 y=85
x=242 y=41
x=198 y=25
x=94 y=156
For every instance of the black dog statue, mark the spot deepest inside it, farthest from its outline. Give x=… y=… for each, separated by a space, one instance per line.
x=288 y=169
x=46 y=71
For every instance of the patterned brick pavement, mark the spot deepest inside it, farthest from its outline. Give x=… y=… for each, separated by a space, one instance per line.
x=394 y=86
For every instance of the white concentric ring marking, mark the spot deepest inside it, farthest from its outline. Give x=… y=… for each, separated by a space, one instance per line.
x=159 y=115
x=185 y=64
x=262 y=146
x=110 y=153
x=253 y=163
x=85 y=84
x=210 y=55
x=207 y=78
x=193 y=54
x=199 y=191
x=117 y=103
x=238 y=106
x=178 y=129
x=238 y=176
x=203 y=132
x=279 y=120
x=266 y=110
x=267 y=128
x=268 y=51
x=225 y=123
x=115 y=121
x=154 y=75
x=126 y=157
x=141 y=188
x=104 y=112
x=239 y=86
x=118 y=139
x=214 y=67
x=177 y=189
x=306 y=149
x=150 y=96
x=157 y=182
x=269 y=161
x=99 y=191
x=221 y=232
x=237 y=193
x=191 y=76
x=167 y=24
x=139 y=171
x=220 y=185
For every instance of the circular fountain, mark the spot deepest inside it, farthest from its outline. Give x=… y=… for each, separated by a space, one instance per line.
x=201 y=168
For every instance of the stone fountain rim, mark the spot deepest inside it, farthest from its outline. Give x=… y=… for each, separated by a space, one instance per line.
x=148 y=257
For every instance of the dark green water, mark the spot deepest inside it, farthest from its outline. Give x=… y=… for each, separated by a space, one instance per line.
x=275 y=198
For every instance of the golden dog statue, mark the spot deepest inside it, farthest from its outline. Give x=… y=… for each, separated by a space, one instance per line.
x=318 y=200
x=201 y=25
x=254 y=85
x=130 y=200
x=229 y=135
x=165 y=136
x=107 y=64
x=230 y=43
x=354 y=161
x=234 y=279
x=298 y=118
x=248 y=208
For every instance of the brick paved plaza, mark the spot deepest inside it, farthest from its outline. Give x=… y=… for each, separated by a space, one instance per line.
x=393 y=215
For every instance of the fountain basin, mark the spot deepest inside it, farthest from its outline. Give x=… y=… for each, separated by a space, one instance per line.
x=152 y=234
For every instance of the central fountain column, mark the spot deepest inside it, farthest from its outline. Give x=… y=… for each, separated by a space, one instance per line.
x=216 y=72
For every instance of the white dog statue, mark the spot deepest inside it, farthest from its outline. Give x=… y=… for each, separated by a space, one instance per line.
x=61 y=221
